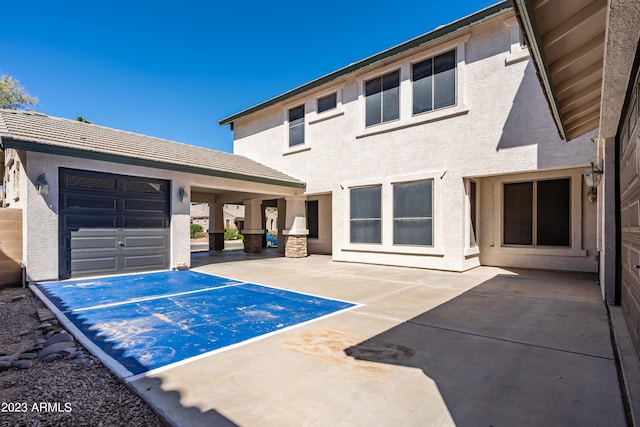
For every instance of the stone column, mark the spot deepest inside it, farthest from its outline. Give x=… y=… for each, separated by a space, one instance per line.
x=216 y=227
x=252 y=231
x=296 y=232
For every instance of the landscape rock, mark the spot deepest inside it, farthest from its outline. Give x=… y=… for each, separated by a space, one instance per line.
x=29 y=356
x=51 y=357
x=61 y=337
x=4 y=365
x=17 y=298
x=45 y=315
x=58 y=347
x=45 y=325
x=22 y=364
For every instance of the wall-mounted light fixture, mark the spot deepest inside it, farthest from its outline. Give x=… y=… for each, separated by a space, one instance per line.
x=592 y=177
x=42 y=185
x=183 y=195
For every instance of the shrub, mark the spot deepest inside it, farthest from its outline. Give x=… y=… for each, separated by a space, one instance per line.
x=230 y=233
x=196 y=231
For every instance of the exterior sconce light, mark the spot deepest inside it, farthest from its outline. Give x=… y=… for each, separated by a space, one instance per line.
x=183 y=195
x=42 y=185
x=592 y=177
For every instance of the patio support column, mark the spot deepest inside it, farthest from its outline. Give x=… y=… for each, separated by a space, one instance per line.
x=216 y=227
x=296 y=232
x=253 y=230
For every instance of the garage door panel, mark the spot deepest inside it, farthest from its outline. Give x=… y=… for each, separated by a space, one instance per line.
x=629 y=196
x=86 y=266
x=145 y=222
x=147 y=261
x=81 y=222
x=93 y=203
x=92 y=242
x=146 y=206
x=148 y=242
x=145 y=186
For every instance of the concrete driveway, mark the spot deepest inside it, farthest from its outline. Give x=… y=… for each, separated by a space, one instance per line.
x=489 y=347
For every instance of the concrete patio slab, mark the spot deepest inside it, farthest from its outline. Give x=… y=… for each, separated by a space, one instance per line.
x=486 y=347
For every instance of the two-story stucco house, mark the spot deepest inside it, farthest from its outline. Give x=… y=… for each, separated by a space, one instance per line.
x=438 y=153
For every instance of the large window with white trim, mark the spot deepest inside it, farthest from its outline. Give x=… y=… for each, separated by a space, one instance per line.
x=434 y=83
x=382 y=98
x=537 y=213
x=413 y=213
x=366 y=214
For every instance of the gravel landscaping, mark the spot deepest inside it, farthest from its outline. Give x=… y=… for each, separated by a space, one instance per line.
x=47 y=378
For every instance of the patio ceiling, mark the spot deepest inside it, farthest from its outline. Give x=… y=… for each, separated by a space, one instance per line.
x=567 y=42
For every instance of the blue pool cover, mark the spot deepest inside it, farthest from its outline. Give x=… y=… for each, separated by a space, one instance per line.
x=147 y=321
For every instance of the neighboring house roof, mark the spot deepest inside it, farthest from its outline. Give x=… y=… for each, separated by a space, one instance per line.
x=33 y=131
x=438 y=33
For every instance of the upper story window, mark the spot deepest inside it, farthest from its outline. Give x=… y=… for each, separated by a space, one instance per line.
x=328 y=102
x=434 y=83
x=296 y=126
x=382 y=96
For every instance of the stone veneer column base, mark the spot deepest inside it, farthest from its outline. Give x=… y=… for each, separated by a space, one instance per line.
x=295 y=246
x=253 y=243
x=216 y=242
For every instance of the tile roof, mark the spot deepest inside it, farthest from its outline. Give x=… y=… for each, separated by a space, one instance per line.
x=34 y=131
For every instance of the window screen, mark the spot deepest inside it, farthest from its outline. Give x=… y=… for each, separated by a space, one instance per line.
x=296 y=126
x=382 y=98
x=518 y=213
x=413 y=213
x=553 y=211
x=366 y=214
x=312 y=218
x=434 y=83
x=327 y=103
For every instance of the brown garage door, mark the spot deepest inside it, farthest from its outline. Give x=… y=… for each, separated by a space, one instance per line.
x=112 y=223
x=630 y=219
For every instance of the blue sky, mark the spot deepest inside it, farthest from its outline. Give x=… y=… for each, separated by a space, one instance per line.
x=174 y=69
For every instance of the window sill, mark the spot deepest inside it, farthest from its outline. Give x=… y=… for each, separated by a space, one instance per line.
x=539 y=251
x=516 y=56
x=394 y=250
x=469 y=252
x=326 y=116
x=416 y=120
x=297 y=149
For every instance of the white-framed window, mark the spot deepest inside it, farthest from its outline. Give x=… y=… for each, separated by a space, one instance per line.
x=537 y=213
x=365 y=214
x=296 y=125
x=327 y=102
x=434 y=82
x=382 y=98
x=413 y=213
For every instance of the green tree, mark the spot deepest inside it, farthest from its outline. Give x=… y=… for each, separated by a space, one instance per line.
x=13 y=96
x=83 y=120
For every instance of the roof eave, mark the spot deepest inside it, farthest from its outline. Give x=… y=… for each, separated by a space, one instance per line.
x=526 y=17
x=436 y=34
x=115 y=158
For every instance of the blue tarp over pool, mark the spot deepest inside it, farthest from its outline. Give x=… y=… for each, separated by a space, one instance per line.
x=147 y=321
